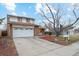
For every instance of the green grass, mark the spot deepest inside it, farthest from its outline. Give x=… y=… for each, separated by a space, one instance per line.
x=60 y=37
x=72 y=38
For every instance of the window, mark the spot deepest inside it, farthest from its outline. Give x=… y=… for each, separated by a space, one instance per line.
x=30 y=28
x=21 y=28
x=28 y=20
x=26 y=28
x=13 y=19
x=31 y=21
x=24 y=20
x=15 y=28
x=19 y=19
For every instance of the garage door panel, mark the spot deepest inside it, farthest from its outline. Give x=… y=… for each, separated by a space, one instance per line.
x=23 y=33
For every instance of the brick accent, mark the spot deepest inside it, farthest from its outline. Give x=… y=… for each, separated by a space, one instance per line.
x=9 y=30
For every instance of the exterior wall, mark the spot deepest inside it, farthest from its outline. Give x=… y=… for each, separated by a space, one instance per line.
x=36 y=31
x=0 y=33
x=69 y=32
x=31 y=21
x=9 y=30
x=39 y=31
x=21 y=22
x=20 y=19
x=3 y=33
x=13 y=19
x=21 y=26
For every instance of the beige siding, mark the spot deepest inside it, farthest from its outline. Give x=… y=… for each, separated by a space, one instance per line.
x=31 y=21
x=21 y=26
x=9 y=30
x=23 y=20
x=0 y=33
x=13 y=19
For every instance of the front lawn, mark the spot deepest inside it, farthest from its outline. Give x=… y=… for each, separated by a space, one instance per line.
x=48 y=37
x=72 y=38
x=61 y=40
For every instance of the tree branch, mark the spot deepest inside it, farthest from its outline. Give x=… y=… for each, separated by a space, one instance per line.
x=77 y=18
x=1 y=20
x=51 y=14
x=45 y=16
x=72 y=23
x=48 y=26
x=74 y=13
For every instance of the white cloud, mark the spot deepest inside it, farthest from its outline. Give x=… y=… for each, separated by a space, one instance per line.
x=38 y=7
x=41 y=1
x=13 y=13
x=69 y=9
x=72 y=4
x=24 y=13
x=75 y=5
x=24 y=1
x=10 y=6
x=47 y=10
x=53 y=10
x=44 y=8
x=68 y=15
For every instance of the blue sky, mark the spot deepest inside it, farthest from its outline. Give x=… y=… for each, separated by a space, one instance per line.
x=32 y=10
x=20 y=9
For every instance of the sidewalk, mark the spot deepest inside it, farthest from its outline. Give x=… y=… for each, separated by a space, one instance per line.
x=71 y=50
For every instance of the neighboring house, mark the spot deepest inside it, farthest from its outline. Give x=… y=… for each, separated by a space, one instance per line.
x=71 y=31
x=76 y=31
x=18 y=26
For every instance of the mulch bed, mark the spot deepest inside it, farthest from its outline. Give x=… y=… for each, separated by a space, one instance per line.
x=52 y=38
x=7 y=47
x=48 y=37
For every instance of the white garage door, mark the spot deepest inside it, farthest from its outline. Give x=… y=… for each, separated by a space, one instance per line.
x=23 y=32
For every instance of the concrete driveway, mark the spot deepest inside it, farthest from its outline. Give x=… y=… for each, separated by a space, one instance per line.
x=34 y=46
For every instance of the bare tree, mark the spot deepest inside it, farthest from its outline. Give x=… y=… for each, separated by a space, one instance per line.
x=57 y=27
x=1 y=20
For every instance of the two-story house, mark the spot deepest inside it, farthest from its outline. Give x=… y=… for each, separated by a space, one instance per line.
x=19 y=26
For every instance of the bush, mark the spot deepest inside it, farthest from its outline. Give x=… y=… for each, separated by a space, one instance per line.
x=48 y=33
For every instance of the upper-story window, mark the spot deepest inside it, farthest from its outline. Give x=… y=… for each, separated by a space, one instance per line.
x=24 y=20
x=13 y=19
x=31 y=21
x=28 y=20
x=19 y=19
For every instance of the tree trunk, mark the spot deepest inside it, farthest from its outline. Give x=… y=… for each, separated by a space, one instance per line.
x=57 y=33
